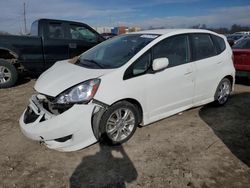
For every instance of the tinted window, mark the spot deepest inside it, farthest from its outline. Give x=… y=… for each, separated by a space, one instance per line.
x=139 y=67
x=219 y=43
x=243 y=44
x=82 y=33
x=34 y=29
x=202 y=46
x=56 y=31
x=174 y=48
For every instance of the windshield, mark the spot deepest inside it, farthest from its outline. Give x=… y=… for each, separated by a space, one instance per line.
x=115 y=52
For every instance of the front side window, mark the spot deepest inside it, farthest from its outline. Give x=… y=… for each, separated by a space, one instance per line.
x=115 y=52
x=202 y=46
x=139 y=67
x=82 y=33
x=56 y=31
x=174 y=48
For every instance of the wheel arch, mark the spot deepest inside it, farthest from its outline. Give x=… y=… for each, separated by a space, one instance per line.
x=7 y=54
x=136 y=103
x=230 y=78
x=96 y=116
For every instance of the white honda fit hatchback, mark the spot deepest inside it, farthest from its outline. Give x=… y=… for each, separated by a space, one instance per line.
x=132 y=79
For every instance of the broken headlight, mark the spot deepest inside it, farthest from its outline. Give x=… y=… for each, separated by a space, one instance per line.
x=81 y=93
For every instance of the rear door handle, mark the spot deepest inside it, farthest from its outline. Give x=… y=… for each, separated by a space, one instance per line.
x=219 y=62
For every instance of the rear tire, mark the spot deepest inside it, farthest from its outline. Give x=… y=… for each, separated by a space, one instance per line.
x=8 y=74
x=222 y=92
x=119 y=123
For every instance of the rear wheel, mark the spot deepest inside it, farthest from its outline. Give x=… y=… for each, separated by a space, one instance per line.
x=8 y=74
x=223 y=91
x=119 y=123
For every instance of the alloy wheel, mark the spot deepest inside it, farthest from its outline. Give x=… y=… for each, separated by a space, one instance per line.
x=120 y=124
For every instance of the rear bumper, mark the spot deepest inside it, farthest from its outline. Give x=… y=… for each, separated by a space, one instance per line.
x=69 y=131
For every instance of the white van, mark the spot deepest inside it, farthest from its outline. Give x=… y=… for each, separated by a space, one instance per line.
x=129 y=80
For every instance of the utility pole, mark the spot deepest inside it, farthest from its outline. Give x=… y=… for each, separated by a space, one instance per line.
x=24 y=18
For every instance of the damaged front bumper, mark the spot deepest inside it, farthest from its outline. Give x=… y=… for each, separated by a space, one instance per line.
x=67 y=131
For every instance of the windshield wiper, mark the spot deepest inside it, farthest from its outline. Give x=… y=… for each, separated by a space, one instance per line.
x=93 y=61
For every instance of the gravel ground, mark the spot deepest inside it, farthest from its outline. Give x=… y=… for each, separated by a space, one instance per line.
x=201 y=147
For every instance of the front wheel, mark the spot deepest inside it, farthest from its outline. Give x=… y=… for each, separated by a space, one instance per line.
x=223 y=91
x=119 y=123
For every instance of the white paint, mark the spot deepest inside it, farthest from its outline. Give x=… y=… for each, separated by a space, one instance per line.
x=161 y=94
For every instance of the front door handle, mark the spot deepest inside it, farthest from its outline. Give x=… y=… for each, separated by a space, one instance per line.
x=72 y=45
x=188 y=72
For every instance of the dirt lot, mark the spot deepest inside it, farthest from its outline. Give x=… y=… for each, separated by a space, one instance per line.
x=202 y=147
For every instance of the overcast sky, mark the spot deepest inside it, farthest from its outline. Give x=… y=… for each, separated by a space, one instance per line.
x=142 y=13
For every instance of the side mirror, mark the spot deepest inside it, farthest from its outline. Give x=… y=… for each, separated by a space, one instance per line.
x=160 y=64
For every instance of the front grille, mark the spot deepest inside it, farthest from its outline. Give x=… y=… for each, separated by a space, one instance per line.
x=54 y=108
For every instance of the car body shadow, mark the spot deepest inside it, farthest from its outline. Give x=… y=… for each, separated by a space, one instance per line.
x=25 y=78
x=242 y=81
x=231 y=123
x=109 y=167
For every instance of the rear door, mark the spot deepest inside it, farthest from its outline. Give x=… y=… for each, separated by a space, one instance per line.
x=208 y=65
x=81 y=38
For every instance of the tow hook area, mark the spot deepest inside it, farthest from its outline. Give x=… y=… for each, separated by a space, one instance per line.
x=41 y=142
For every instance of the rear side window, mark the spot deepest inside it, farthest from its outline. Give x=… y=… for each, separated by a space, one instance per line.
x=56 y=31
x=219 y=43
x=174 y=48
x=202 y=46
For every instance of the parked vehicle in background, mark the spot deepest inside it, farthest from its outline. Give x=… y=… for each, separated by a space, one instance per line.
x=243 y=32
x=49 y=41
x=108 y=35
x=241 y=52
x=235 y=38
x=131 y=79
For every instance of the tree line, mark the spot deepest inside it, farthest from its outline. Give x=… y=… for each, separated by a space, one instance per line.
x=223 y=30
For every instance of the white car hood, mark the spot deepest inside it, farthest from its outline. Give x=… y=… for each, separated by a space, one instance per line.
x=63 y=75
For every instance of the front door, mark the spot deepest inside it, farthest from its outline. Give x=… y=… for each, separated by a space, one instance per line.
x=171 y=90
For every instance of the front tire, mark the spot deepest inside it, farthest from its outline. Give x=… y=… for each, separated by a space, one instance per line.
x=223 y=92
x=8 y=74
x=119 y=123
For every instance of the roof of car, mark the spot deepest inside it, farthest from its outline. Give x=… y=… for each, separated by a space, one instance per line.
x=166 y=31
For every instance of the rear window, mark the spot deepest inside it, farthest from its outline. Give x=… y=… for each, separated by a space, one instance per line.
x=243 y=44
x=34 y=29
x=219 y=43
x=202 y=46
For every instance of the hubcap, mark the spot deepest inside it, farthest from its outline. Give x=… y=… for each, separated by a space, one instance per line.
x=120 y=124
x=5 y=74
x=224 y=91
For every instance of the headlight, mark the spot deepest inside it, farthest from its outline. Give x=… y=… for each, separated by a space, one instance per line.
x=81 y=93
